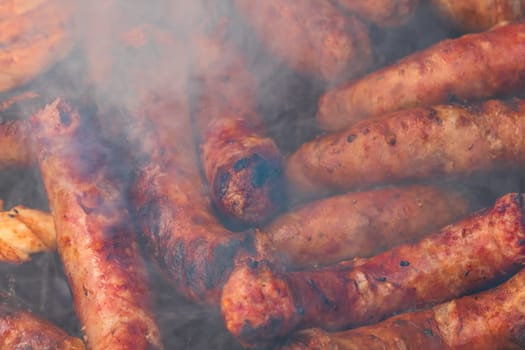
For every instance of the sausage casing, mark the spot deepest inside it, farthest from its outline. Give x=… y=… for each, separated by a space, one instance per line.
x=311 y=36
x=95 y=235
x=416 y=144
x=470 y=67
x=360 y=224
x=260 y=303
x=485 y=321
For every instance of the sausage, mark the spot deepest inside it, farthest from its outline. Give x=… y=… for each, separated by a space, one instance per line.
x=20 y=329
x=172 y=205
x=360 y=224
x=311 y=37
x=23 y=232
x=385 y=13
x=49 y=17
x=95 y=235
x=469 y=67
x=41 y=47
x=485 y=321
x=243 y=166
x=476 y=16
x=260 y=303
x=416 y=144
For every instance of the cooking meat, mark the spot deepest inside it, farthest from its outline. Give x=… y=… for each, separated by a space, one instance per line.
x=385 y=13
x=360 y=224
x=48 y=17
x=260 y=303
x=13 y=8
x=44 y=44
x=415 y=144
x=476 y=15
x=311 y=36
x=95 y=235
x=15 y=144
x=242 y=165
x=469 y=67
x=20 y=329
x=485 y=321
x=23 y=232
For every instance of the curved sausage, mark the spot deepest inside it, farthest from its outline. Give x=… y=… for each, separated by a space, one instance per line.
x=484 y=321
x=476 y=15
x=385 y=13
x=470 y=67
x=20 y=329
x=360 y=224
x=415 y=144
x=95 y=235
x=311 y=36
x=260 y=303
x=243 y=166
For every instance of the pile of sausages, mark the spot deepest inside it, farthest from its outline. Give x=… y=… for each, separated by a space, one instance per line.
x=362 y=238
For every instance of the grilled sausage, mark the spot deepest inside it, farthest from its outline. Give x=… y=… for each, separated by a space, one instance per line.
x=476 y=16
x=95 y=235
x=242 y=165
x=359 y=224
x=386 y=13
x=20 y=329
x=470 y=67
x=311 y=36
x=260 y=303
x=415 y=144
x=485 y=321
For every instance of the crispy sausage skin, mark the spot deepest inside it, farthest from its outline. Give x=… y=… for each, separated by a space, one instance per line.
x=476 y=15
x=385 y=13
x=243 y=166
x=470 y=67
x=415 y=144
x=360 y=224
x=95 y=236
x=260 y=303
x=485 y=321
x=311 y=36
x=20 y=329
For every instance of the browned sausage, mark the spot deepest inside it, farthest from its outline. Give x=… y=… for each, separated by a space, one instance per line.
x=385 y=13
x=476 y=15
x=415 y=144
x=95 y=236
x=470 y=67
x=242 y=165
x=20 y=329
x=311 y=36
x=259 y=303
x=485 y=321
x=360 y=224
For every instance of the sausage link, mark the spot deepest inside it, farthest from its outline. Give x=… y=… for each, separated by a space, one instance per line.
x=260 y=303
x=242 y=165
x=476 y=15
x=360 y=224
x=470 y=67
x=95 y=236
x=20 y=329
x=416 y=144
x=311 y=36
x=385 y=13
x=484 y=321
